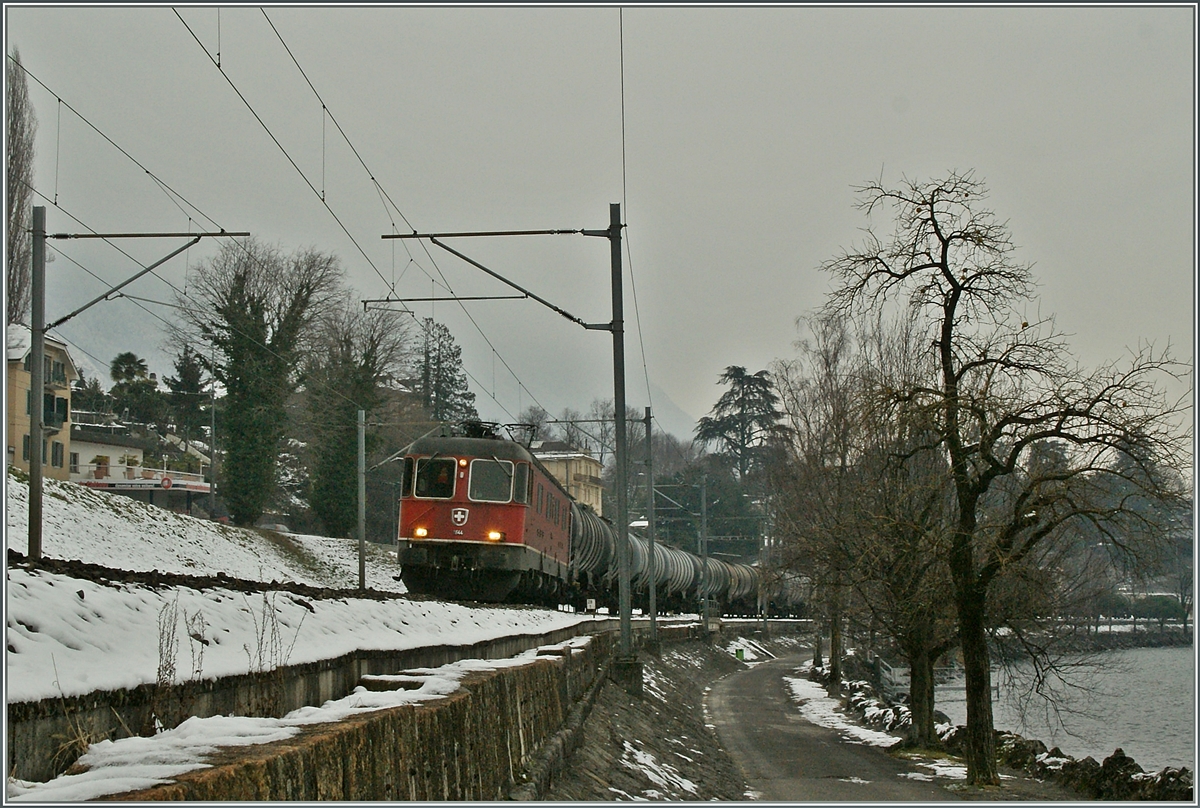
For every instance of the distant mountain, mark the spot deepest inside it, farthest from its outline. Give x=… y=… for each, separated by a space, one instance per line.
x=668 y=416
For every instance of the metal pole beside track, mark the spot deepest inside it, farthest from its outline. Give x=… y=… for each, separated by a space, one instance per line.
x=622 y=453
x=37 y=382
x=362 y=500
x=650 y=530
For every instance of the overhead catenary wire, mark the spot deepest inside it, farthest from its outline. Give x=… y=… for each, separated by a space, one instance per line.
x=385 y=196
x=163 y=185
x=285 y=153
x=192 y=310
x=180 y=201
x=637 y=312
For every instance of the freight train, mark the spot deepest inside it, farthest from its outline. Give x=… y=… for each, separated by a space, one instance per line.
x=481 y=518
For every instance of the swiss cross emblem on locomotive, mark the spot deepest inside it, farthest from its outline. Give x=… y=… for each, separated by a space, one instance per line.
x=459 y=516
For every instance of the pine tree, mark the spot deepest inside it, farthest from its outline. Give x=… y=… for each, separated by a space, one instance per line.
x=89 y=396
x=744 y=418
x=357 y=354
x=440 y=378
x=188 y=396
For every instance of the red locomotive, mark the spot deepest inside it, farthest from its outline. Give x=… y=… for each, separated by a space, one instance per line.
x=481 y=518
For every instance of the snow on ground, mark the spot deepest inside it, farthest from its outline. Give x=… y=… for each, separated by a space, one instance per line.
x=67 y=636
x=820 y=708
x=753 y=653
x=663 y=775
x=129 y=764
x=96 y=527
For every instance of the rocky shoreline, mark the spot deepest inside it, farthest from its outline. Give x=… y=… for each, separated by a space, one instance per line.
x=1118 y=777
x=1087 y=641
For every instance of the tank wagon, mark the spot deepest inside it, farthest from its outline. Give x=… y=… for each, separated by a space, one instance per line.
x=482 y=519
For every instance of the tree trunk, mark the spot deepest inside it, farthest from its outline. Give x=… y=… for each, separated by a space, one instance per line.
x=817 y=661
x=835 y=645
x=981 y=740
x=920 y=697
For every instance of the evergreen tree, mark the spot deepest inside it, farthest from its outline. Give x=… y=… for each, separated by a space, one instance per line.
x=440 y=378
x=18 y=254
x=744 y=419
x=135 y=395
x=188 y=396
x=256 y=307
x=88 y=395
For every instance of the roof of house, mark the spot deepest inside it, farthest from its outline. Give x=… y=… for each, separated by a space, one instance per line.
x=109 y=436
x=557 y=448
x=19 y=341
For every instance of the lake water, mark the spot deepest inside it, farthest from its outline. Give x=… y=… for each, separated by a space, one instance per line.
x=1144 y=703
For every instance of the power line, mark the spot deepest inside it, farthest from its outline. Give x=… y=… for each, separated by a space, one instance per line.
x=637 y=312
x=275 y=140
x=190 y=310
x=176 y=198
x=172 y=194
x=384 y=195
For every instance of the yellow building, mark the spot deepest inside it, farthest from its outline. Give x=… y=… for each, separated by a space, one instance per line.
x=576 y=470
x=60 y=372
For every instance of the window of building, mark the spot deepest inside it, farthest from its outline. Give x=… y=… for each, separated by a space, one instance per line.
x=74 y=463
x=25 y=447
x=56 y=454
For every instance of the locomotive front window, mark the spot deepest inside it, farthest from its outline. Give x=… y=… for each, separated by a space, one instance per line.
x=406 y=479
x=435 y=477
x=491 y=480
x=521 y=484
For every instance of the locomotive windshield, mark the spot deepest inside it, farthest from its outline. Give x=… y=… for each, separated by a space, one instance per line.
x=435 y=477
x=406 y=481
x=521 y=484
x=491 y=480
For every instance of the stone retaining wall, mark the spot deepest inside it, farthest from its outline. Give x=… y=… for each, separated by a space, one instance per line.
x=452 y=745
x=471 y=745
x=45 y=737
x=504 y=734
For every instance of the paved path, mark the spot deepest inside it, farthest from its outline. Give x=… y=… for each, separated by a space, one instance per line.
x=788 y=759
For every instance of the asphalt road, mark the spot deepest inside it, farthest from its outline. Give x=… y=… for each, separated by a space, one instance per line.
x=786 y=758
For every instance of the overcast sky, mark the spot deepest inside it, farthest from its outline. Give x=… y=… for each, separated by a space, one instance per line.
x=744 y=132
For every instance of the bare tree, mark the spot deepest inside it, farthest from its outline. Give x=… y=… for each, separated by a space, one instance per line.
x=539 y=419
x=601 y=429
x=356 y=355
x=1002 y=387
x=903 y=502
x=573 y=432
x=814 y=482
x=22 y=126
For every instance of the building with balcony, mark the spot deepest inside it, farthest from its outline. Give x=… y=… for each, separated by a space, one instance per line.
x=575 y=469
x=59 y=372
x=110 y=456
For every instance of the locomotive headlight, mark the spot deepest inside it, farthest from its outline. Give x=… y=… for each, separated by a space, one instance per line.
x=420 y=533
x=495 y=535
